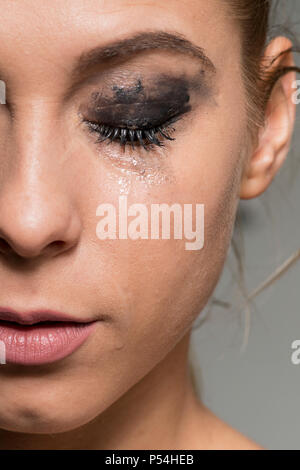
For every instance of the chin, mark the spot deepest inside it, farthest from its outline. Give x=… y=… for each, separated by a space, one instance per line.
x=43 y=414
x=41 y=422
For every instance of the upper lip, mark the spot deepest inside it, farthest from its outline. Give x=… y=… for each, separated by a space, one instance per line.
x=36 y=316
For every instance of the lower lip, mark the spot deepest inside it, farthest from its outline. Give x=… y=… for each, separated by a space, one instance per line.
x=42 y=343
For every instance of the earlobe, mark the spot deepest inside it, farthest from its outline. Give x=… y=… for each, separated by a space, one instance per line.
x=259 y=173
x=274 y=138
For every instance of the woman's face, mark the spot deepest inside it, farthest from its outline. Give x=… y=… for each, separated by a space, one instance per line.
x=141 y=295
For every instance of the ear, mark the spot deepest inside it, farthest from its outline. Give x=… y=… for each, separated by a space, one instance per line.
x=274 y=138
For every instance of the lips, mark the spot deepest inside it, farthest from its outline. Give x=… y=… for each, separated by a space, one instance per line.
x=41 y=337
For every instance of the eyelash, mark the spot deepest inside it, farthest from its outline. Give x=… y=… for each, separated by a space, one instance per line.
x=123 y=135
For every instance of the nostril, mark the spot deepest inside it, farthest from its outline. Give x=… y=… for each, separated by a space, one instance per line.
x=56 y=246
x=4 y=246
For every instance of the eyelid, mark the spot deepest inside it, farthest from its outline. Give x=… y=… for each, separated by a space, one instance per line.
x=139 y=113
x=141 y=117
x=143 y=137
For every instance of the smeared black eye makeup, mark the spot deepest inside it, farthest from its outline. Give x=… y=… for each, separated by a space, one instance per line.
x=141 y=113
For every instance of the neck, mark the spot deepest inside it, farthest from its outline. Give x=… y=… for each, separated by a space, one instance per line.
x=160 y=412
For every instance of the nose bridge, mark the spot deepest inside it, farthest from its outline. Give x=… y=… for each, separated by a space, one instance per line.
x=34 y=119
x=32 y=167
x=35 y=208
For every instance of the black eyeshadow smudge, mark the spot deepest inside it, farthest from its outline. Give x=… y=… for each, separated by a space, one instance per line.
x=143 y=105
x=128 y=95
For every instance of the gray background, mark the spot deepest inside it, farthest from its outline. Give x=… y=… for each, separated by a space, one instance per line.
x=257 y=389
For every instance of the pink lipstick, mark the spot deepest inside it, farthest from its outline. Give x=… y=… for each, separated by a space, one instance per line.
x=41 y=337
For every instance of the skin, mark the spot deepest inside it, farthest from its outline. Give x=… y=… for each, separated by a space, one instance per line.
x=128 y=386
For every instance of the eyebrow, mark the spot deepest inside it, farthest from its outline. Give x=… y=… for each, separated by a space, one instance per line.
x=145 y=41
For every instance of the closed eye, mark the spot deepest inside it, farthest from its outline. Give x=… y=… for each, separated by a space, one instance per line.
x=144 y=137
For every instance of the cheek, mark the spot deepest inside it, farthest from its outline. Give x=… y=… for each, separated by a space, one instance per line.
x=158 y=285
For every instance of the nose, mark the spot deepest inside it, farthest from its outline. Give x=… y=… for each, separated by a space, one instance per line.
x=37 y=214
x=36 y=224
x=33 y=228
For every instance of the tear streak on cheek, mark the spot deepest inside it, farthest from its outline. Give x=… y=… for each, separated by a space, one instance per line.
x=144 y=179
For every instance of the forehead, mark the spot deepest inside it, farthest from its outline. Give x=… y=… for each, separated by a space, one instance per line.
x=42 y=40
x=64 y=27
